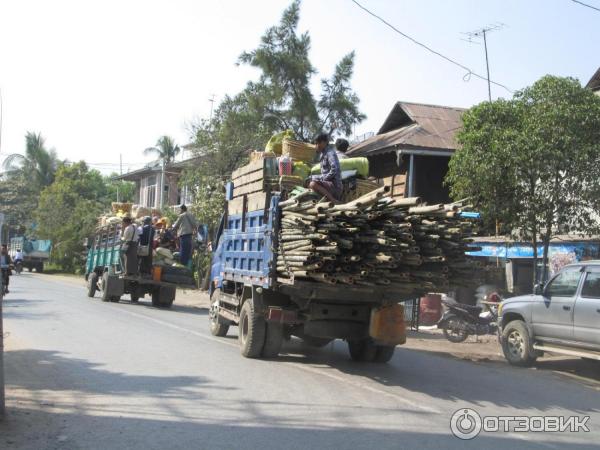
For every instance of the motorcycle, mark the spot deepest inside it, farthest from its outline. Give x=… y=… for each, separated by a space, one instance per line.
x=461 y=320
x=18 y=267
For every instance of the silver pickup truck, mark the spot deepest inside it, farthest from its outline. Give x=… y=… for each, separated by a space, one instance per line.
x=562 y=317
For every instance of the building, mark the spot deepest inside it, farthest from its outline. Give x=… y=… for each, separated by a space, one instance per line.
x=594 y=83
x=411 y=150
x=148 y=183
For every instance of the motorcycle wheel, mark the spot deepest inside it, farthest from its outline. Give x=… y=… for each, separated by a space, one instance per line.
x=453 y=331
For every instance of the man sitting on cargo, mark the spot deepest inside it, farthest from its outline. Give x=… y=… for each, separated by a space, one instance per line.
x=329 y=183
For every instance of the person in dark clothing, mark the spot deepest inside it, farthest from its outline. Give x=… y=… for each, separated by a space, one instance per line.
x=129 y=247
x=145 y=246
x=329 y=183
x=5 y=263
x=341 y=147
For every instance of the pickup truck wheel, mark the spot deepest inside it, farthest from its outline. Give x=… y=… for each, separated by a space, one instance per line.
x=363 y=350
x=516 y=344
x=252 y=330
x=216 y=328
x=273 y=340
x=105 y=297
x=384 y=353
x=453 y=330
x=92 y=284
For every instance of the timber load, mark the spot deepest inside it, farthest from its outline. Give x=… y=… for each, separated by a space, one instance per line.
x=408 y=247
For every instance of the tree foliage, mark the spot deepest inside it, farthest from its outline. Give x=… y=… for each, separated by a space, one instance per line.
x=38 y=163
x=68 y=211
x=165 y=149
x=533 y=162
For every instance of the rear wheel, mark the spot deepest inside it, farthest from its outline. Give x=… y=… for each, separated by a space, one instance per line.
x=134 y=295
x=273 y=340
x=216 y=328
x=92 y=284
x=384 y=353
x=516 y=344
x=105 y=297
x=363 y=350
x=156 y=297
x=454 y=330
x=252 y=330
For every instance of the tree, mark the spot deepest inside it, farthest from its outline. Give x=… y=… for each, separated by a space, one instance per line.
x=118 y=190
x=165 y=149
x=19 y=201
x=533 y=162
x=68 y=211
x=38 y=164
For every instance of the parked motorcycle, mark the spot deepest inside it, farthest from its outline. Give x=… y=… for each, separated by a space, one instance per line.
x=461 y=320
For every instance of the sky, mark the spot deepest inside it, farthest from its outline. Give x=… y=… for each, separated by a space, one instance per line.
x=104 y=79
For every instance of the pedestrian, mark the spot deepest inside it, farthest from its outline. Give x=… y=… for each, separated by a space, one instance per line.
x=5 y=263
x=186 y=227
x=145 y=246
x=341 y=147
x=129 y=247
x=329 y=183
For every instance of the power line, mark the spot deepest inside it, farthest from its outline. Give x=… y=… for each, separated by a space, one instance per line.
x=450 y=60
x=585 y=4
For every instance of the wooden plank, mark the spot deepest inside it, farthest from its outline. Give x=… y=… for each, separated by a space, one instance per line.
x=249 y=178
x=235 y=206
x=257 y=186
x=251 y=167
x=256 y=201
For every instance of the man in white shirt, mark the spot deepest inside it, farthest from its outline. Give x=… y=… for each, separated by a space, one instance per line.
x=18 y=255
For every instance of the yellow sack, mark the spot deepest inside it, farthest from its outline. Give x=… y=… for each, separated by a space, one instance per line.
x=301 y=169
x=275 y=143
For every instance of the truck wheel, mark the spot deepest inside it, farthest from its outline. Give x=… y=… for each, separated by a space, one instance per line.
x=105 y=297
x=39 y=268
x=454 y=330
x=363 y=350
x=516 y=344
x=156 y=297
x=251 y=335
x=216 y=328
x=115 y=299
x=92 y=284
x=384 y=353
x=29 y=269
x=167 y=297
x=134 y=295
x=273 y=340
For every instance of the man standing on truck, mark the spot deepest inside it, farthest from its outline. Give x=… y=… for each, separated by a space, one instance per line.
x=186 y=227
x=329 y=183
x=5 y=263
x=145 y=246
x=129 y=248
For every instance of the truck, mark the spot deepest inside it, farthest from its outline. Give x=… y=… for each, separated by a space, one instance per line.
x=35 y=252
x=245 y=291
x=104 y=272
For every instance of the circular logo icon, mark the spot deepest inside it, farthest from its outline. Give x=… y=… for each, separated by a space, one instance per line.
x=465 y=424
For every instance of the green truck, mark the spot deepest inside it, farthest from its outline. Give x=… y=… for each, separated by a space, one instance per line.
x=35 y=252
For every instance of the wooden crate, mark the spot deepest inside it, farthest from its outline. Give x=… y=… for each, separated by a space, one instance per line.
x=253 y=177
x=254 y=202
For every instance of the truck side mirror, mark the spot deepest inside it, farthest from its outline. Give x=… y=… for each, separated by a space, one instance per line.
x=538 y=289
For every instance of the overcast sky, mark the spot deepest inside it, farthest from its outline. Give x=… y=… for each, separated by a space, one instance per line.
x=104 y=78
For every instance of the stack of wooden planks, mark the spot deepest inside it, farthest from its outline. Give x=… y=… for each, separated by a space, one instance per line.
x=376 y=240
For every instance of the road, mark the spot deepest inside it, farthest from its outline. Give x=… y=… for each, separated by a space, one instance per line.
x=83 y=374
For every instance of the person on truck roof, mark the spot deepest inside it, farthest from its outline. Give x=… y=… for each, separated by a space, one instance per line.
x=186 y=227
x=329 y=183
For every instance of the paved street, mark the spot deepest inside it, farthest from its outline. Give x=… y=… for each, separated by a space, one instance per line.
x=82 y=374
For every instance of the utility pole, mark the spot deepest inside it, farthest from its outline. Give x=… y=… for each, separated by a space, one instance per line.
x=472 y=36
x=2 y=398
x=212 y=104
x=0 y=121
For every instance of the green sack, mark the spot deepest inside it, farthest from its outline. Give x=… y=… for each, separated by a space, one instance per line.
x=361 y=165
x=276 y=142
x=301 y=170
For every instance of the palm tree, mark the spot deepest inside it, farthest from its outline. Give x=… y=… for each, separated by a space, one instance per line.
x=165 y=149
x=38 y=163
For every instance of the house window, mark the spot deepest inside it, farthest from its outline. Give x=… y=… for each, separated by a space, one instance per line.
x=148 y=192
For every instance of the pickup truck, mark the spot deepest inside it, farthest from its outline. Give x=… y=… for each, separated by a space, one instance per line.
x=246 y=292
x=35 y=252
x=561 y=317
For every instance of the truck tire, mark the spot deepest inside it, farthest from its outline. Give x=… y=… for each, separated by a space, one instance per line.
x=156 y=297
x=252 y=330
x=29 y=268
x=105 y=297
x=384 y=353
x=39 y=268
x=134 y=295
x=114 y=299
x=516 y=344
x=216 y=328
x=362 y=350
x=92 y=284
x=273 y=340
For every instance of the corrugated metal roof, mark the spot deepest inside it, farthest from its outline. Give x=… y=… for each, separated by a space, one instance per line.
x=414 y=125
x=594 y=83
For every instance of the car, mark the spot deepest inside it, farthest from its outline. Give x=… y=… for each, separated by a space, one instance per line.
x=561 y=317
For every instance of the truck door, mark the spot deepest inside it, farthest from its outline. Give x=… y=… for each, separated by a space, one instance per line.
x=586 y=320
x=552 y=313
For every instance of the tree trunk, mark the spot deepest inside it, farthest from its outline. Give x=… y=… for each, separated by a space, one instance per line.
x=535 y=256
x=546 y=240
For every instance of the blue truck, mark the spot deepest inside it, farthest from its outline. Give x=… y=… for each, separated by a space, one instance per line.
x=245 y=291
x=35 y=252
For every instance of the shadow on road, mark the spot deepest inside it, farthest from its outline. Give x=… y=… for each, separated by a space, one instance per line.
x=38 y=429
x=38 y=369
x=15 y=307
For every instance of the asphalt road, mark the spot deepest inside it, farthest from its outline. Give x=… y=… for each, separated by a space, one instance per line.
x=82 y=374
